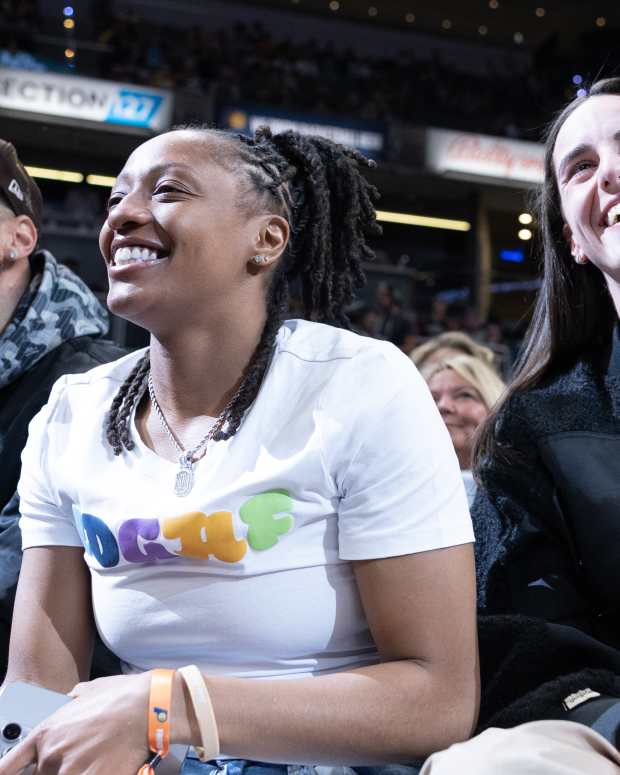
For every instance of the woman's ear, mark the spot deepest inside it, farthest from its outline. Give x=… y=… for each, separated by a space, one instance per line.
x=271 y=239
x=575 y=250
x=568 y=238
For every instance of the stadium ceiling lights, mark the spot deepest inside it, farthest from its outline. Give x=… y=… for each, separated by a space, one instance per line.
x=68 y=176
x=410 y=219
x=49 y=174
x=100 y=180
x=406 y=219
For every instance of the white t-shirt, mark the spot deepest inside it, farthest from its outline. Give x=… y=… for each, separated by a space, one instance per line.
x=470 y=486
x=343 y=456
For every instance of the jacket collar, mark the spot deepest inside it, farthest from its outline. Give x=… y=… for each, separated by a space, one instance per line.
x=613 y=366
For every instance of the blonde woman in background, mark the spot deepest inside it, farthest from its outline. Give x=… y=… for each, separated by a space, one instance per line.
x=464 y=388
x=447 y=345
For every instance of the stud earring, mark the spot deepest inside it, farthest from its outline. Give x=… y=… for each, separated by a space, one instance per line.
x=12 y=255
x=258 y=260
x=580 y=258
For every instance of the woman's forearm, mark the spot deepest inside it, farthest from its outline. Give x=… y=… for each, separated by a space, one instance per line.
x=52 y=631
x=392 y=712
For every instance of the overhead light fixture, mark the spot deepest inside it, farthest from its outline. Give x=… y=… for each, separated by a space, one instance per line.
x=410 y=219
x=100 y=180
x=50 y=174
x=524 y=234
x=525 y=219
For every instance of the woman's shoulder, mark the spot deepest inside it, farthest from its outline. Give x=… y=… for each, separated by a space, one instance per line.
x=341 y=365
x=321 y=343
x=569 y=398
x=92 y=388
x=78 y=401
x=112 y=374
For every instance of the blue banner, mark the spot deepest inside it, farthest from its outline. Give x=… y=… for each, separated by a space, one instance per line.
x=366 y=136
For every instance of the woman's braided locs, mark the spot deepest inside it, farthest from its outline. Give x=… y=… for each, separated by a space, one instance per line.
x=127 y=396
x=318 y=187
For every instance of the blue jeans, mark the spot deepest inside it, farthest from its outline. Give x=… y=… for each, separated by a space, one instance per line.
x=192 y=766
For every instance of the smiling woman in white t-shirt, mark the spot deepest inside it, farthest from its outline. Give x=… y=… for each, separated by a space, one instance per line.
x=264 y=500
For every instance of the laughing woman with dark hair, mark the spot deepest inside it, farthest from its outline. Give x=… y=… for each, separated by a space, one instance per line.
x=549 y=455
x=263 y=500
x=548 y=460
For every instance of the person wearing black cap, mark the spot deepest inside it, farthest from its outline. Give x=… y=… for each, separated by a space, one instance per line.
x=50 y=324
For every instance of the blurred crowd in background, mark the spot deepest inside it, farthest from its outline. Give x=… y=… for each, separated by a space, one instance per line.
x=246 y=62
x=388 y=318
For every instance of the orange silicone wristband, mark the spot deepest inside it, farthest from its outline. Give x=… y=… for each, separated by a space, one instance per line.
x=160 y=701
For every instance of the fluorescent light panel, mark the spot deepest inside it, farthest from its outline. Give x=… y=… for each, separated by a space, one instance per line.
x=100 y=180
x=68 y=176
x=409 y=219
x=49 y=174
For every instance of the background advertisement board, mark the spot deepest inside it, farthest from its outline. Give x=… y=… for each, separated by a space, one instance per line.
x=110 y=104
x=494 y=159
x=364 y=136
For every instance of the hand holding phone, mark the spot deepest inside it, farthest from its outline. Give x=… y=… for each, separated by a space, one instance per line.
x=24 y=706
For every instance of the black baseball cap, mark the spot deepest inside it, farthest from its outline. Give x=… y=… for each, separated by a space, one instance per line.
x=18 y=189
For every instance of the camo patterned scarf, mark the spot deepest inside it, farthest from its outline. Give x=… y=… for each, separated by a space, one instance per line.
x=56 y=306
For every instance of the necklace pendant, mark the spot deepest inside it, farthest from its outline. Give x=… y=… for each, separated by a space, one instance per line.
x=184 y=480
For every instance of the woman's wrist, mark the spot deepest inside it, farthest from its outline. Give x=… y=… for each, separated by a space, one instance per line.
x=203 y=712
x=183 y=724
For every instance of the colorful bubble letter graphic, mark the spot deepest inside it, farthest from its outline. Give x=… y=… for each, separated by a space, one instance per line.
x=198 y=535
x=260 y=514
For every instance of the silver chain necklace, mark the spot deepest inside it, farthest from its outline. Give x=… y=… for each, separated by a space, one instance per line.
x=184 y=479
